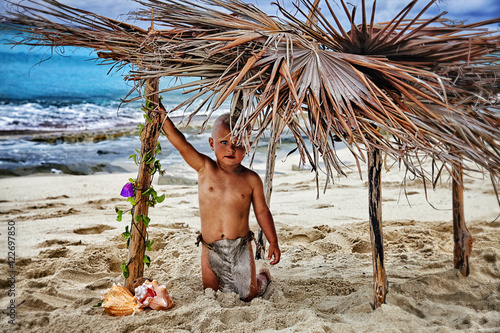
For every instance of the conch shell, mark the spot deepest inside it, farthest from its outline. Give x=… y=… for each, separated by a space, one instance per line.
x=119 y=301
x=153 y=295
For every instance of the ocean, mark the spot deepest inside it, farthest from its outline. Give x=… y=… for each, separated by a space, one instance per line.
x=62 y=113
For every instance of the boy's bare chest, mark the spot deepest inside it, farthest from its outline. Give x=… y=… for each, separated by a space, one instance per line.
x=224 y=188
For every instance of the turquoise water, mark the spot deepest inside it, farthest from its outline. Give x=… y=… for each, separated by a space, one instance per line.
x=42 y=89
x=69 y=93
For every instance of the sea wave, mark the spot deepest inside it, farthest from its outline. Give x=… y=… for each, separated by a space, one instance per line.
x=32 y=116
x=44 y=116
x=61 y=111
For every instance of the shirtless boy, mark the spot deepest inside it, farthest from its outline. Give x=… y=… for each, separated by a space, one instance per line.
x=226 y=190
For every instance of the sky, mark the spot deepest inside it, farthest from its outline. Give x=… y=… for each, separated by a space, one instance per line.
x=462 y=10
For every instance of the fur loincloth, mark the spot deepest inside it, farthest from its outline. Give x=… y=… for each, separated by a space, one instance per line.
x=229 y=259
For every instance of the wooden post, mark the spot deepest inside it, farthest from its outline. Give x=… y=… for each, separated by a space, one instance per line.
x=268 y=181
x=461 y=235
x=149 y=138
x=380 y=284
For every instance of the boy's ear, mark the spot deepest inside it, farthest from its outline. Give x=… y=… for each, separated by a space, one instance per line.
x=211 y=142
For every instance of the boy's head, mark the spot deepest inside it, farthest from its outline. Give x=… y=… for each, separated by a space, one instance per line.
x=226 y=147
x=223 y=120
x=227 y=121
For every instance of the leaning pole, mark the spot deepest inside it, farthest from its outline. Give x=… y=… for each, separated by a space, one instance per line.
x=268 y=181
x=138 y=233
x=380 y=284
x=461 y=235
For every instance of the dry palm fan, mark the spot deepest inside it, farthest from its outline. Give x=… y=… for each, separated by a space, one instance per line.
x=412 y=87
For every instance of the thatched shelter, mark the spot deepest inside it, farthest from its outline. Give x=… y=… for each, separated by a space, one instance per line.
x=410 y=87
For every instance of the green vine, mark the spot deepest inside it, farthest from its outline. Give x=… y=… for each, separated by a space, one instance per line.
x=130 y=189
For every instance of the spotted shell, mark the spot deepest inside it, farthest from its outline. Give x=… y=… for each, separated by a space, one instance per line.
x=118 y=301
x=153 y=295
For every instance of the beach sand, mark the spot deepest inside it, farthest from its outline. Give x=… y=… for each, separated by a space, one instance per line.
x=69 y=248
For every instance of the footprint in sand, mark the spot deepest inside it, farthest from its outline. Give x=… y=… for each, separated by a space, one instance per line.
x=102 y=203
x=99 y=229
x=177 y=225
x=323 y=206
x=59 y=213
x=64 y=196
x=54 y=253
x=39 y=273
x=52 y=242
x=10 y=212
x=361 y=246
x=301 y=235
x=305 y=288
x=48 y=205
x=35 y=304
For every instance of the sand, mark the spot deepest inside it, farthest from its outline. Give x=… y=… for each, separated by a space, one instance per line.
x=69 y=248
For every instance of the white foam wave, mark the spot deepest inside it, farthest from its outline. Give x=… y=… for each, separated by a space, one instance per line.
x=34 y=116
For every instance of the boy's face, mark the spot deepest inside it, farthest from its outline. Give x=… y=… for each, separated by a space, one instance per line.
x=227 y=151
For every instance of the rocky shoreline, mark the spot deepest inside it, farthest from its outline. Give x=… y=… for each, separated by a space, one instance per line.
x=14 y=166
x=57 y=168
x=90 y=151
x=83 y=152
x=96 y=135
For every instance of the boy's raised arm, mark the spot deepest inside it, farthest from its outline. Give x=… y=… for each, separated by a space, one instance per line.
x=192 y=157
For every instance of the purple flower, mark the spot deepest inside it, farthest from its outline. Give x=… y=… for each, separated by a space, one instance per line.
x=127 y=190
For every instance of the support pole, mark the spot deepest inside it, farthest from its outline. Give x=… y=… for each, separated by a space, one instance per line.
x=268 y=181
x=380 y=284
x=149 y=138
x=461 y=235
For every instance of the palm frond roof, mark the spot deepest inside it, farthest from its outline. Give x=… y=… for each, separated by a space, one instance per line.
x=408 y=86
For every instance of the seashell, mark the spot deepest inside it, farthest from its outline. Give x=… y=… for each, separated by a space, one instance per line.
x=162 y=301
x=119 y=301
x=138 y=282
x=153 y=295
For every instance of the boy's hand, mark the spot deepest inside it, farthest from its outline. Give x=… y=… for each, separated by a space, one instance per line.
x=274 y=251
x=161 y=110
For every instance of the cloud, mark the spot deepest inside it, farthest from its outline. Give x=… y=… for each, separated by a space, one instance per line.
x=110 y=8
x=472 y=10
x=458 y=10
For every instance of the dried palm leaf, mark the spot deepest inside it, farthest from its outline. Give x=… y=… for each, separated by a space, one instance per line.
x=428 y=83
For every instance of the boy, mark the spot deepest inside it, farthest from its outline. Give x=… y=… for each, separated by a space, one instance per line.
x=226 y=189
